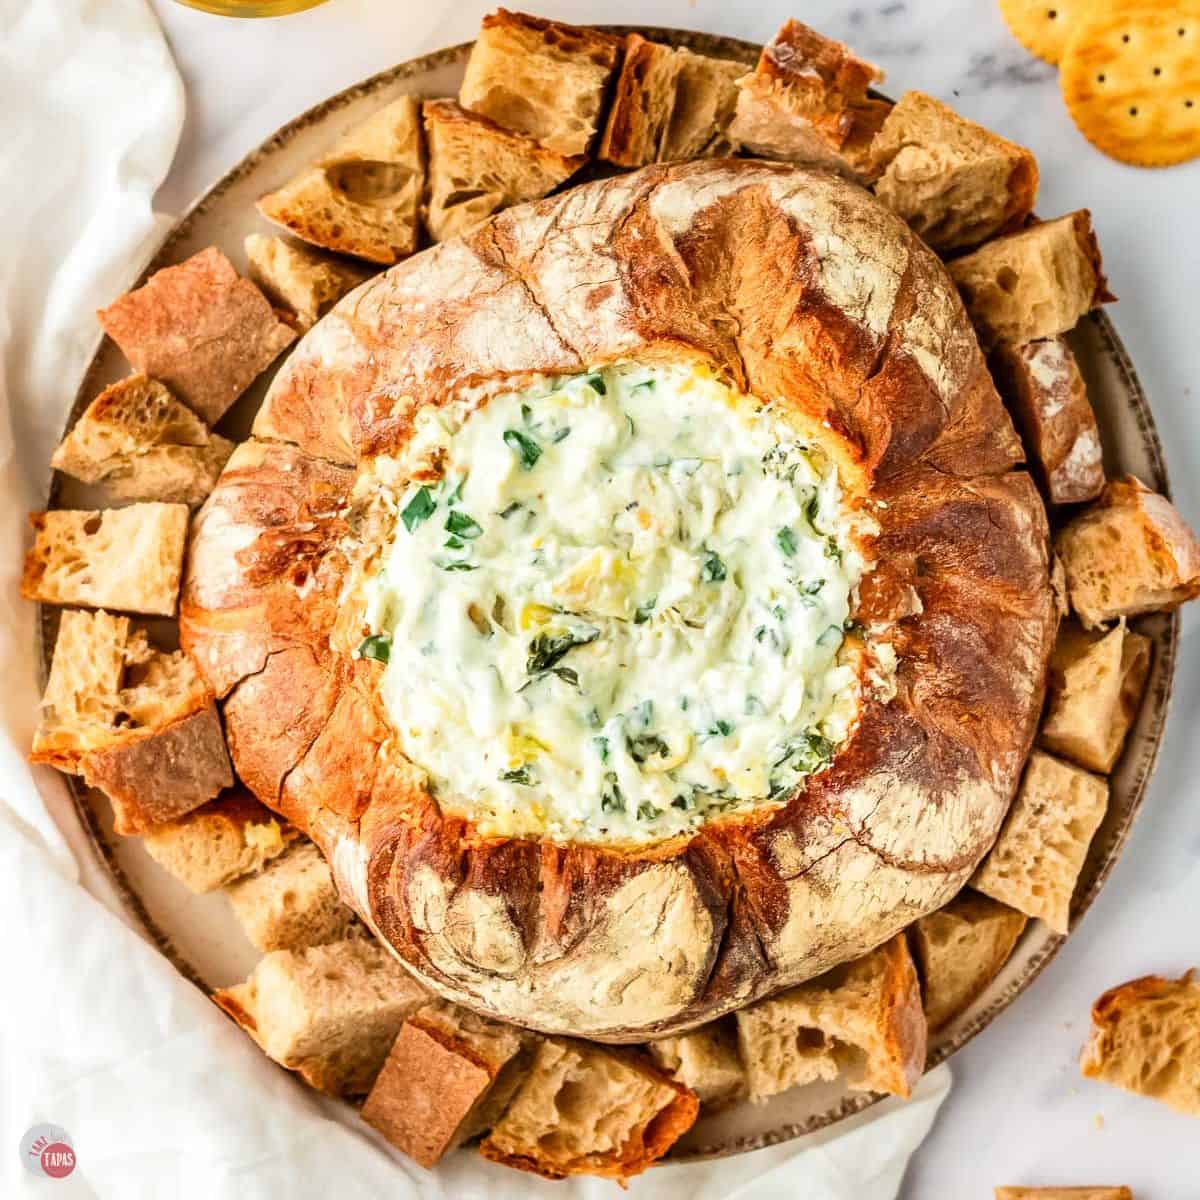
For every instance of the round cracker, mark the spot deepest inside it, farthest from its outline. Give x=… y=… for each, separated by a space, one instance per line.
x=1130 y=77
x=1043 y=26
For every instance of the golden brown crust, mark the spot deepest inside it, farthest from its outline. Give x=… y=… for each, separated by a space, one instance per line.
x=732 y=263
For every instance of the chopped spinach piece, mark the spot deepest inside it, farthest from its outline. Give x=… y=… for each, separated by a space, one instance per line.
x=646 y=385
x=812 y=587
x=455 y=564
x=596 y=382
x=456 y=493
x=454 y=543
x=833 y=550
x=509 y=510
x=646 y=811
x=642 y=615
x=643 y=714
x=785 y=539
x=806 y=753
x=520 y=775
x=592 y=717
x=566 y=675
x=463 y=525
x=684 y=803
x=378 y=647
x=601 y=744
x=418 y=509
x=812 y=509
x=721 y=728
x=611 y=797
x=559 y=434
x=547 y=648
x=713 y=569
x=525 y=448
x=645 y=746
x=526 y=414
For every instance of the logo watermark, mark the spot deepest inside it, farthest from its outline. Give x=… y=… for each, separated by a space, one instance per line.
x=47 y=1152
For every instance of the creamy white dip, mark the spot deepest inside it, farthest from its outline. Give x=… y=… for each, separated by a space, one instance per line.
x=620 y=611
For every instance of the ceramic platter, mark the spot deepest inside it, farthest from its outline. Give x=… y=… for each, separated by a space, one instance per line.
x=198 y=933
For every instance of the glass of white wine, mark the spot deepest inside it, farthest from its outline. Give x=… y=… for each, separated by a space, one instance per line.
x=252 y=8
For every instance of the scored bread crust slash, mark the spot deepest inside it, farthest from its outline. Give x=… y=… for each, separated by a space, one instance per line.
x=799 y=288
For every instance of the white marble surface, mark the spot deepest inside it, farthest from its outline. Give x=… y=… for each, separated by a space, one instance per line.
x=1020 y=1112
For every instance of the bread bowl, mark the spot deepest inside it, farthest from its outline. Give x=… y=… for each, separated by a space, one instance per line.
x=1127 y=429
x=943 y=681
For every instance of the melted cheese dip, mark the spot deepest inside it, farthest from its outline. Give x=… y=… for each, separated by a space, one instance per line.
x=620 y=610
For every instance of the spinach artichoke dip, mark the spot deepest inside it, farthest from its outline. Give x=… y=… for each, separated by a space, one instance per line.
x=619 y=610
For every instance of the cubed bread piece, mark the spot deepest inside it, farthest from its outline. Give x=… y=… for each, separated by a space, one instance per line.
x=705 y=1060
x=124 y=558
x=292 y=903
x=136 y=722
x=955 y=182
x=199 y=328
x=330 y=1013
x=137 y=441
x=960 y=949
x=304 y=282
x=540 y=78
x=807 y=102
x=1146 y=1039
x=363 y=197
x=476 y=168
x=1067 y=1193
x=863 y=1019
x=1044 y=841
x=585 y=1109
x=1045 y=393
x=219 y=842
x=1033 y=284
x=669 y=104
x=1095 y=687
x=1129 y=553
x=447 y=1078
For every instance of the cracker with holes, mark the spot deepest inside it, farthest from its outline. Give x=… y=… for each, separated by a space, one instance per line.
x=1043 y=27
x=1131 y=81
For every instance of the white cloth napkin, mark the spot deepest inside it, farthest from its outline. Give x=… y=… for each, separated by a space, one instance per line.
x=161 y=1095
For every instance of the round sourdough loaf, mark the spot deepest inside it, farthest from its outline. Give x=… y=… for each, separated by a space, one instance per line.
x=798 y=288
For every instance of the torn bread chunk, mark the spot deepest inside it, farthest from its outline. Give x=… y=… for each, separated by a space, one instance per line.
x=199 y=328
x=129 y=559
x=305 y=283
x=540 y=78
x=137 y=723
x=476 y=168
x=585 y=1109
x=1066 y=1193
x=140 y=443
x=219 y=842
x=1094 y=689
x=363 y=197
x=1045 y=393
x=960 y=950
x=292 y=903
x=669 y=104
x=1033 y=284
x=448 y=1077
x=1128 y=553
x=705 y=1060
x=807 y=102
x=863 y=1020
x=955 y=182
x=1145 y=1039
x=1043 y=844
x=329 y=1013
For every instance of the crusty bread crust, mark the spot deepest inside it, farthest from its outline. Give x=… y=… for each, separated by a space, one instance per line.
x=862 y=334
x=1128 y=553
x=955 y=182
x=1146 y=1039
x=201 y=329
x=807 y=102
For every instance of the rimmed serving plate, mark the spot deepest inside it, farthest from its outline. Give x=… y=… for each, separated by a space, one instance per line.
x=198 y=933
